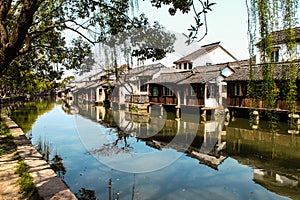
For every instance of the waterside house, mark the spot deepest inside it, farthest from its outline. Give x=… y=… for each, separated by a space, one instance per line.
x=202 y=88
x=280 y=50
x=131 y=90
x=237 y=86
x=95 y=89
x=280 y=64
x=196 y=81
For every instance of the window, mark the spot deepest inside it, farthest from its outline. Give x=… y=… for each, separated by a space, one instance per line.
x=143 y=88
x=168 y=92
x=238 y=90
x=211 y=90
x=224 y=88
x=200 y=92
x=193 y=91
x=197 y=90
x=275 y=55
x=190 y=66
x=155 y=92
x=185 y=65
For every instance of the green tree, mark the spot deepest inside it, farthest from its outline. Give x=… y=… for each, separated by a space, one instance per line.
x=265 y=18
x=35 y=28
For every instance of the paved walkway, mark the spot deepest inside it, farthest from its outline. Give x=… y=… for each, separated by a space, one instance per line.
x=49 y=186
x=9 y=189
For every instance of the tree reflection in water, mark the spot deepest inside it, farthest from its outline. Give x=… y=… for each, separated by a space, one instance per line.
x=44 y=148
x=57 y=165
x=86 y=194
x=119 y=145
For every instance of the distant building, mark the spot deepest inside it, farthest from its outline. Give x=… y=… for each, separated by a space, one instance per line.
x=210 y=54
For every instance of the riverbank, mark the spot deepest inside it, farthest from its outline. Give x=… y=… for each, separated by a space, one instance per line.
x=48 y=184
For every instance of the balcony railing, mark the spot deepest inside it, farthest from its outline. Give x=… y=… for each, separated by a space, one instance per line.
x=142 y=98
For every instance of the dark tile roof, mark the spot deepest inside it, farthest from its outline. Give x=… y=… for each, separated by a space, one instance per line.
x=203 y=74
x=280 y=72
x=279 y=37
x=202 y=51
x=174 y=77
x=145 y=68
x=200 y=77
x=149 y=72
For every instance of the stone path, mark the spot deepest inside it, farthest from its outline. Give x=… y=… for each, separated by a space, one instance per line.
x=49 y=186
x=9 y=189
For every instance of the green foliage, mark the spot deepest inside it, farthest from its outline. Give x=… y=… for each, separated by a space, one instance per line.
x=4 y=130
x=26 y=181
x=145 y=42
x=26 y=115
x=35 y=35
x=134 y=109
x=265 y=17
x=66 y=81
x=7 y=144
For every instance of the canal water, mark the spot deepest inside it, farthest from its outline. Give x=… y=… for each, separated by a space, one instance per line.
x=114 y=154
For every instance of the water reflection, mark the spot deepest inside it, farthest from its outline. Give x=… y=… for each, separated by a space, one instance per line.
x=212 y=143
x=26 y=113
x=213 y=159
x=188 y=135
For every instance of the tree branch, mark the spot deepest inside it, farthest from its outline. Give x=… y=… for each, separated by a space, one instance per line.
x=36 y=33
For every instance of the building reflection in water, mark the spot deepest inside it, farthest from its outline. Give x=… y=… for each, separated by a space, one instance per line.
x=275 y=158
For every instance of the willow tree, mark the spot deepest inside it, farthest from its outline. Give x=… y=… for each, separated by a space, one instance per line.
x=266 y=17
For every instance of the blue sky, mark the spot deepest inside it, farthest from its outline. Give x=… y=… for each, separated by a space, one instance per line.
x=227 y=23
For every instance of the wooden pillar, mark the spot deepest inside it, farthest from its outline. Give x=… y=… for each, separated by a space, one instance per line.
x=256 y=119
x=149 y=109
x=177 y=112
x=293 y=123
x=178 y=105
x=227 y=117
x=203 y=115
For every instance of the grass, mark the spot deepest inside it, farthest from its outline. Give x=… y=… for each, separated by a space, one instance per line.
x=7 y=144
x=26 y=181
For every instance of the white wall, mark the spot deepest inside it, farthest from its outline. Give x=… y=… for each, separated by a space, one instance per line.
x=283 y=54
x=216 y=56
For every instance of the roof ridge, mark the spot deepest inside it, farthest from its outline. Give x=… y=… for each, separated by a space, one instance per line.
x=211 y=44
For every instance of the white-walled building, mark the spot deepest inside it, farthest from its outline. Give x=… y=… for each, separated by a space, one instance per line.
x=210 y=54
x=280 y=51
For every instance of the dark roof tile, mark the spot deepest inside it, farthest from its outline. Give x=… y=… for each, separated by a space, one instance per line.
x=280 y=72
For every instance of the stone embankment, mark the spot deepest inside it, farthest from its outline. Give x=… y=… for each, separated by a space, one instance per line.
x=48 y=184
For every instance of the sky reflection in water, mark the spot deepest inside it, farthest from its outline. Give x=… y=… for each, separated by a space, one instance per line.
x=178 y=176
